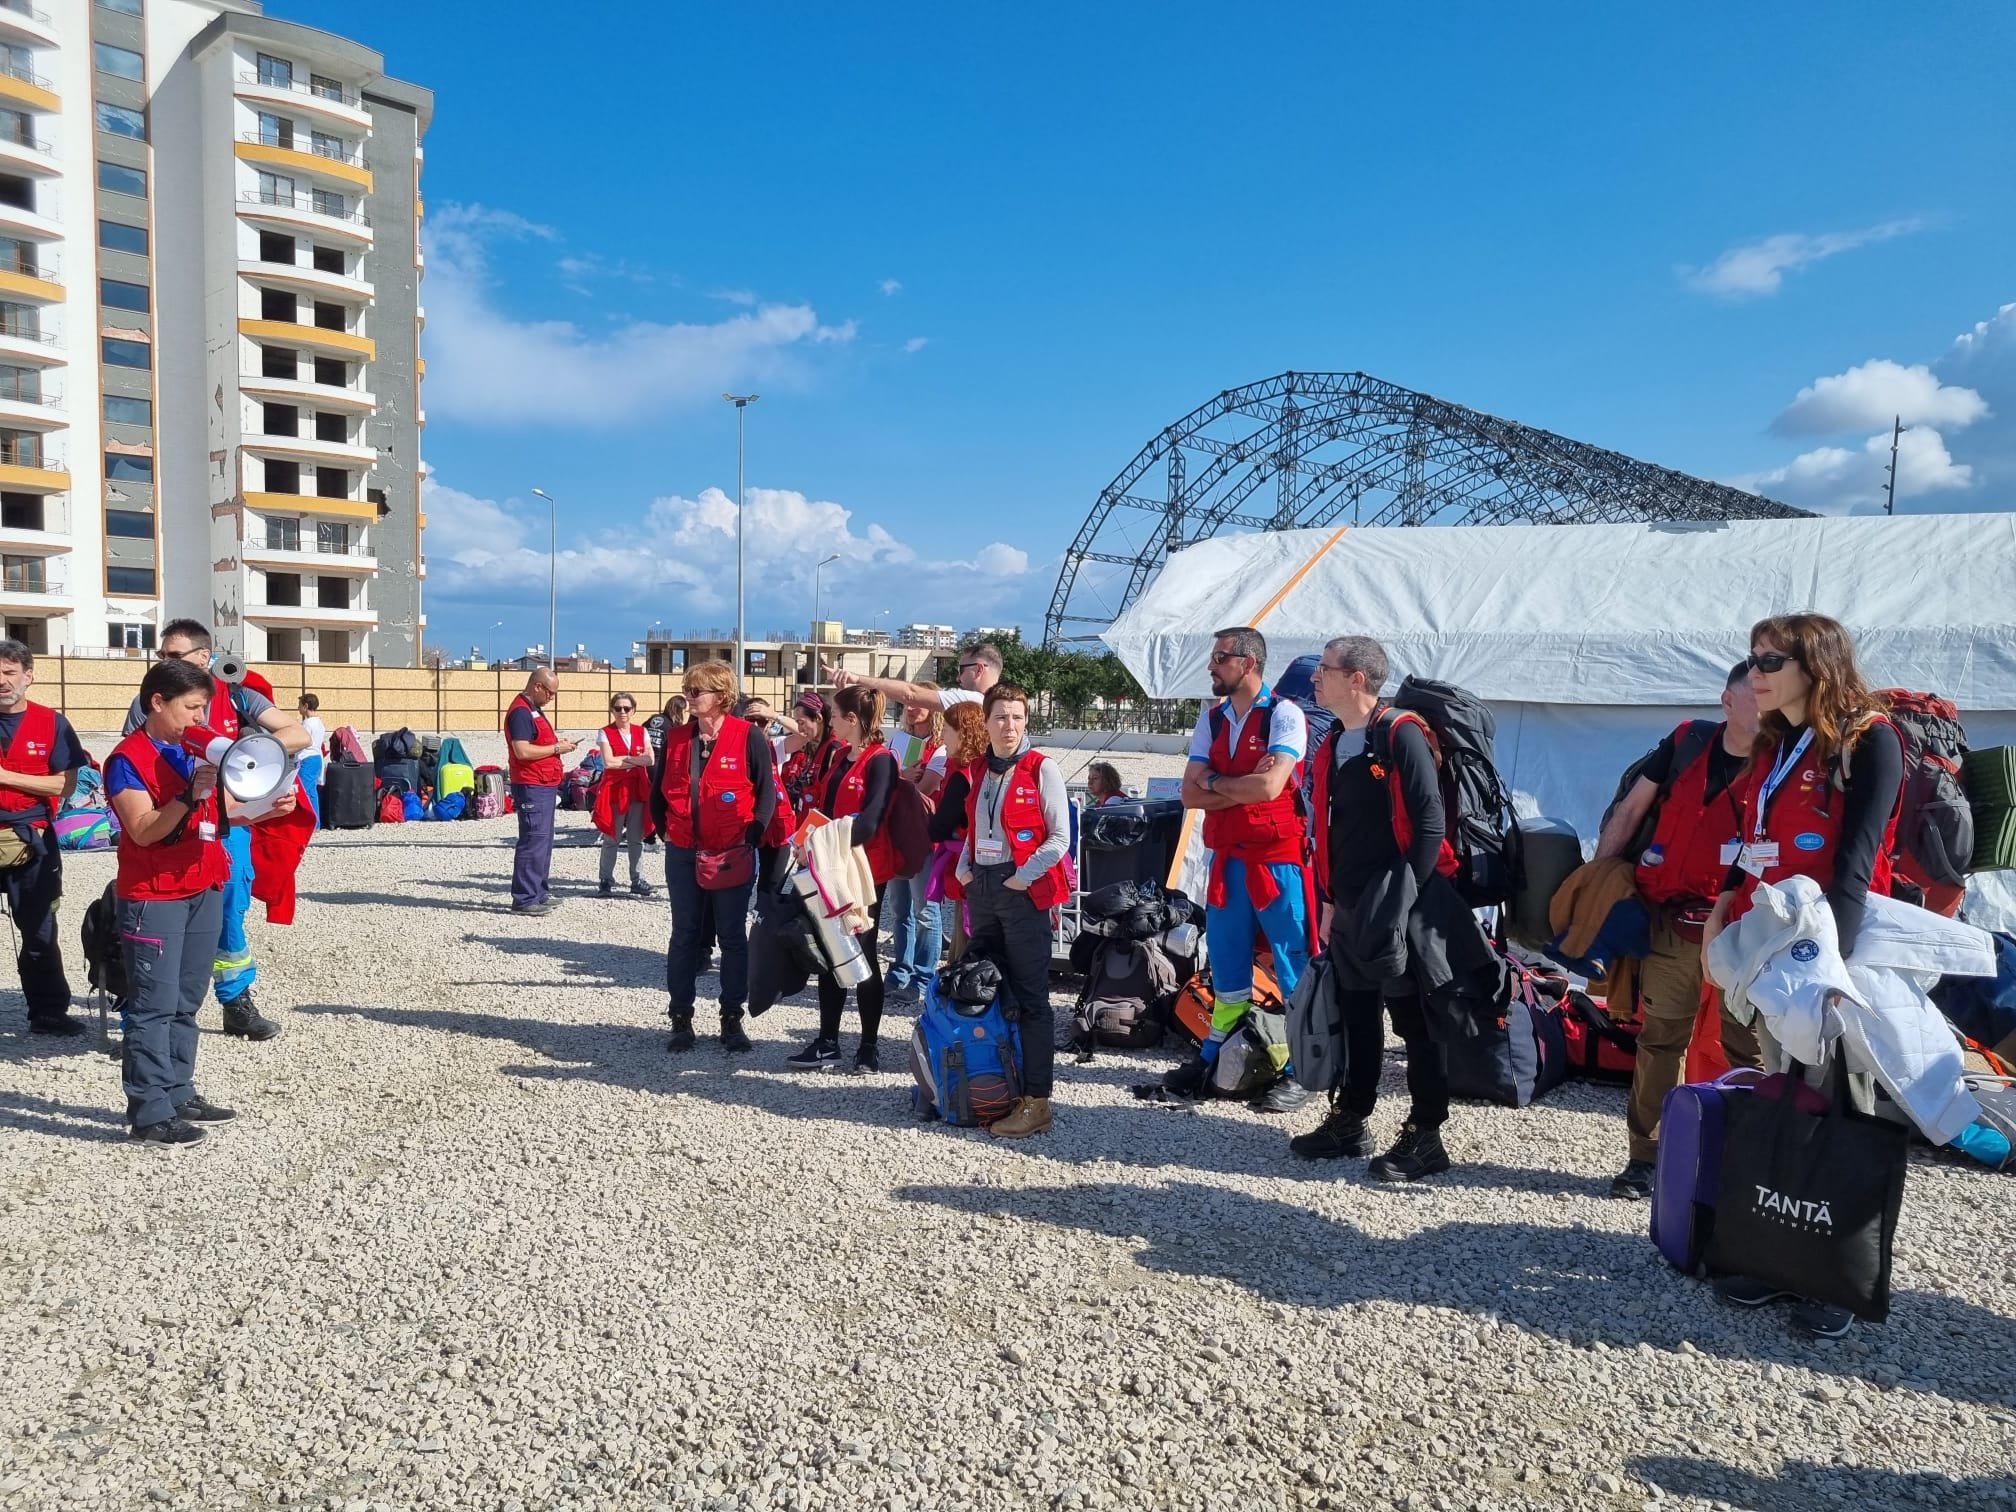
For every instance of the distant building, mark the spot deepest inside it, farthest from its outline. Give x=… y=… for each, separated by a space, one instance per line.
x=927 y=638
x=777 y=668
x=867 y=637
x=994 y=633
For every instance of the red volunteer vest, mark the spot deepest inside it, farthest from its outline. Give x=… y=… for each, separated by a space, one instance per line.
x=803 y=776
x=1403 y=823
x=631 y=784
x=28 y=753
x=223 y=712
x=1684 y=864
x=545 y=771
x=727 y=792
x=883 y=861
x=1262 y=833
x=1804 y=817
x=1021 y=821
x=177 y=868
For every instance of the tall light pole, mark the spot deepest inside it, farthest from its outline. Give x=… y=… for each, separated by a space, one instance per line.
x=490 y=640
x=818 y=661
x=1890 y=493
x=552 y=580
x=741 y=403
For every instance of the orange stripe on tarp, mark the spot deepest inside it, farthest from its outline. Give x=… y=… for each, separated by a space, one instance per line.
x=1174 y=881
x=1297 y=576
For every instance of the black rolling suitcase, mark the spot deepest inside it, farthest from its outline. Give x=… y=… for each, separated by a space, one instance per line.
x=349 y=796
x=1133 y=840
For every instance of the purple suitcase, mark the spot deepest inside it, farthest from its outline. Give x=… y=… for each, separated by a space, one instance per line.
x=1688 y=1172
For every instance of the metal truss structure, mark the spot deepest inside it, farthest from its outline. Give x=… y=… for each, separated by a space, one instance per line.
x=1347 y=447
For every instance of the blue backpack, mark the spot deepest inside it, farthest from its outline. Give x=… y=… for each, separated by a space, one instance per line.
x=449 y=806
x=414 y=806
x=967 y=1059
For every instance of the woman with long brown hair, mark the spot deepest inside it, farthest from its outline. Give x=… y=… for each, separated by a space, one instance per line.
x=965 y=749
x=1826 y=784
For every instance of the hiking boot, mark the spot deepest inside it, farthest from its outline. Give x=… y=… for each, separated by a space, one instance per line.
x=820 y=1055
x=606 y=890
x=682 y=1034
x=733 y=1040
x=60 y=1026
x=1285 y=1096
x=1341 y=1136
x=867 y=1058
x=1030 y=1115
x=1634 y=1182
x=1822 y=1321
x=1416 y=1153
x=169 y=1133
x=639 y=888
x=200 y=1109
x=244 y=1019
x=537 y=910
x=1747 y=1291
x=1188 y=1079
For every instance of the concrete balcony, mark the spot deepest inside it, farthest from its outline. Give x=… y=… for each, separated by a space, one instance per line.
x=23 y=87
x=342 y=107
x=23 y=220
x=298 y=212
x=310 y=504
x=30 y=282
x=44 y=414
x=32 y=156
x=307 y=391
x=24 y=23
x=44 y=543
x=38 y=595
x=306 y=280
x=287 y=157
x=309 y=556
x=312 y=614
x=33 y=477
x=311 y=449
x=318 y=338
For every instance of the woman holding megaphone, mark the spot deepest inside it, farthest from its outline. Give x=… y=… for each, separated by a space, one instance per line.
x=172 y=871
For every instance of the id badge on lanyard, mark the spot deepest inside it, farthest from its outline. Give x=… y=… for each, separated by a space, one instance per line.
x=994 y=850
x=1760 y=855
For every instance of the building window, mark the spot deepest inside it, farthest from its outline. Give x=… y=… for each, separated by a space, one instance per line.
x=120 y=61
x=275 y=130
x=329 y=202
x=277 y=304
x=123 y=411
x=279 y=362
x=117 y=236
x=133 y=354
x=282 y=477
x=277 y=73
x=280 y=420
x=332 y=428
x=19 y=320
x=284 y=645
x=120 y=121
x=129 y=524
x=25 y=574
x=328 y=88
x=332 y=483
x=283 y=535
x=129 y=635
x=21 y=384
x=119 y=295
x=331 y=260
x=122 y=180
x=333 y=371
x=276 y=248
x=124 y=467
x=332 y=645
x=276 y=189
x=284 y=589
x=332 y=537
x=329 y=146
x=15 y=127
x=332 y=593
x=133 y=580
x=125 y=8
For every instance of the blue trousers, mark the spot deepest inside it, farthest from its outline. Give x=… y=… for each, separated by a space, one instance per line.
x=915 y=932
x=693 y=908
x=234 y=969
x=1233 y=933
x=533 y=868
x=168 y=945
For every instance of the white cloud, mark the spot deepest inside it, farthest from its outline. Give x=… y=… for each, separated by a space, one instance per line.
x=488 y=365
x=1837 y=480
x=735 y=296
x=1986 y=336
x=891 y=286
x=677 y=554
x=1875 y=392
x=1760 y=267
x=916 y=344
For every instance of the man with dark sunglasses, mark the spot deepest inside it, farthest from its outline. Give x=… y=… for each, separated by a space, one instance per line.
x=979 y=670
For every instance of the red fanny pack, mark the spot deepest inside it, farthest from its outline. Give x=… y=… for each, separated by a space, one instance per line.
x=719 y=870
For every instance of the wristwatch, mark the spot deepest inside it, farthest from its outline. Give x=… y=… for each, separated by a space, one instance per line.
x=1211 y=781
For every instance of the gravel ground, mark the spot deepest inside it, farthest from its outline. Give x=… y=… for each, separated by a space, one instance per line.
x=477 y=1241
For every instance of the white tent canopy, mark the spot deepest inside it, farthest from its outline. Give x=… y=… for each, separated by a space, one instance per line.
x=1592 y=641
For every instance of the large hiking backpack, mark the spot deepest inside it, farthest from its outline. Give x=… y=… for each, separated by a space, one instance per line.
x=1298 y=685
x=1128 y=989
x=577 y=791
x=104 y=954
x=1689 y=741
x=966 y=1058
x=1935 y=825
x=1482 y=829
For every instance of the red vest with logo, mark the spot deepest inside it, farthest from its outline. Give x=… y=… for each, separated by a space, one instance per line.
x=727 y=793
x=1403 y=823
x=1804 y=818
x=630 y=784
x=803 y=777
x=543 y=771
x=223 y=712
x=28 y=753
x=1021 y=820
x=1684 y=863
x=179 y=867
x=883 y=860
x=1263 y=833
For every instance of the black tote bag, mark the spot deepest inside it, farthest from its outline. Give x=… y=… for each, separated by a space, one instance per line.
x=1809 y=1200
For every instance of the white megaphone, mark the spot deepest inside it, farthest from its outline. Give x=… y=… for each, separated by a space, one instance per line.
x=229 y=670
x=254 y=769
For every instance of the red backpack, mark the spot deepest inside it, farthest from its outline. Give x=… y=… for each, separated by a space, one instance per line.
x=908 y=825
x=1935 y=825
x=392 y=809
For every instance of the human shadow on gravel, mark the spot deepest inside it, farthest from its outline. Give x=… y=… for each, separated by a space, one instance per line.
x=619 y=965
x=1573 y=1283
x=45 y=1115
x=1800 y=1486
x=405 y=900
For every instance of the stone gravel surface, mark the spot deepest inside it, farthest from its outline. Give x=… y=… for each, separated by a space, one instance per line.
x=477 y=1241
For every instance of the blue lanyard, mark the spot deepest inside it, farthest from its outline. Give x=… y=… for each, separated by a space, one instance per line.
x=1780 y=770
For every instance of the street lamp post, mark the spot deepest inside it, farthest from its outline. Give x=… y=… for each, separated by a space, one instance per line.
x=552 y=580
x=818 y=660
x=741 y=403
x=490 y=641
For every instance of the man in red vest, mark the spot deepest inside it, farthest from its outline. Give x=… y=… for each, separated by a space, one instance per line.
x=1245 y=761
x=39 y=758
x=1696 y=781
x=534 y=753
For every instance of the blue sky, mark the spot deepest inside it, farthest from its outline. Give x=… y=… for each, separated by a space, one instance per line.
x=973 y=257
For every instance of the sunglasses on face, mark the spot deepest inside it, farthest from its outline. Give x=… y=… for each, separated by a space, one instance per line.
x=624 y=709
x=1769 y=661
x=971 y=666
x=1225 y=656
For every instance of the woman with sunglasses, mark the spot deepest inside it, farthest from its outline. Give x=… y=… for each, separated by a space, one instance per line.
x=857 y=787
x=712 y=797
x=624 y=790
x=1826 y=784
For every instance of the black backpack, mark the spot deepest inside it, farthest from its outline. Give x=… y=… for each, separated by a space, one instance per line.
x=1477 y=808
x=104 y=956
x=1692 y=739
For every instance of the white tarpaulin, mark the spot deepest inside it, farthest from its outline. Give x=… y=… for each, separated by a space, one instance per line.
x=1591 y=642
